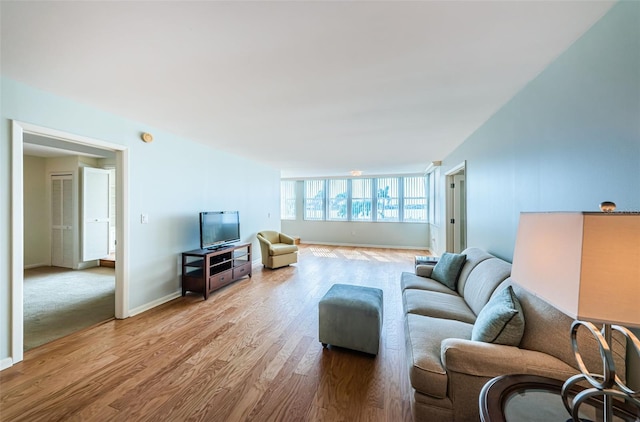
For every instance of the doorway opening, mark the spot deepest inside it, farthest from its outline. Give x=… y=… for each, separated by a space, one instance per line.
x=456 y=208
x=53 y=138
x=67 y=204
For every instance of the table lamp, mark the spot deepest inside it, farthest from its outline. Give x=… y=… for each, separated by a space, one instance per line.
x=587 y=265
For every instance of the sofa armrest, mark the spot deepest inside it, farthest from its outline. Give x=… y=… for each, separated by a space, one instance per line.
x=424 y=270
x=490 y=360
x=286 y=239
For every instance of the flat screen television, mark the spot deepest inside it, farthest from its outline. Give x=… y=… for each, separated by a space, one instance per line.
x=218 y=228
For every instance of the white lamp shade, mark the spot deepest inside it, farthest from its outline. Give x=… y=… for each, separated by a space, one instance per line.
x=585 y=264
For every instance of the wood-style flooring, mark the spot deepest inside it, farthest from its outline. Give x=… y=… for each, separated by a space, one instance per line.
x=248 y=353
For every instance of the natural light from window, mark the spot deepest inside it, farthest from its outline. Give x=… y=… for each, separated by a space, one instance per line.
x=403 y=199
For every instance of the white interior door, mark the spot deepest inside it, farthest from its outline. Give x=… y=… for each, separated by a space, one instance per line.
x=62 y=220
x=112 y=211
x=456 y=209
x=459 y=213
x=95 y=213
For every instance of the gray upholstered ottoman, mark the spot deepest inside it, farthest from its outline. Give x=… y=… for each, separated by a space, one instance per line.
x=351 y=317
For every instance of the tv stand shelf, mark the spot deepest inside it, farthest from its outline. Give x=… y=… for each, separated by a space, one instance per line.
x=207 y=270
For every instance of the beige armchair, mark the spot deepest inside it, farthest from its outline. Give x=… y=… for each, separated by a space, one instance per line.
x=278 y=249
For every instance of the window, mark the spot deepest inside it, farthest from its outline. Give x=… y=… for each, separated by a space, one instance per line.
x=361 y=199
x=337 y=199
x=432 y=178
x=383 y=199
x=314 y=199
x=288 y=200
x=387 y=199
x=415 y=199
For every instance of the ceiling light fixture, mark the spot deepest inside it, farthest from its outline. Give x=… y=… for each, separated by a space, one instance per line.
x=356 y=172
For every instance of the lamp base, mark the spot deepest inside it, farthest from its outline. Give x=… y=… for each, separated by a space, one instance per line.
x=608 y=384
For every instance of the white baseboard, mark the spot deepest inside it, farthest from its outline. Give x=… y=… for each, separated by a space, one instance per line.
x=153 y=304
x=30 y=266
x=362 y=245
x=88 y=264
x=6 y=363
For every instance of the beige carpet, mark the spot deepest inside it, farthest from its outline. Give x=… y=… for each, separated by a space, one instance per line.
x=60 y=301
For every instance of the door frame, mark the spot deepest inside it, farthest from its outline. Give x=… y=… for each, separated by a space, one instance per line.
x=18 y=129
x=452 y=206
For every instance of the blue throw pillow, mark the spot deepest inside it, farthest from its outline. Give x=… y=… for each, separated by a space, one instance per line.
x=501 y=321
x=448 y=269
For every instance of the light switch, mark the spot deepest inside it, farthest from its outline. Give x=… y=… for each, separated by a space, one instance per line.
x=144 y=218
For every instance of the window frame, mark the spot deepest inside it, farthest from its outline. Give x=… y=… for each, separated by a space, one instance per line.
x=379 y=213
x=287 y=200
x=365 y=199
x=318 y=198
x=332 y=200
x=409 y=200
x=322 y=204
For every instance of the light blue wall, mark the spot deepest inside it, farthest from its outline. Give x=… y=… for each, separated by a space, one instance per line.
x=171 y=180
x=568 y=141
x=375 y=235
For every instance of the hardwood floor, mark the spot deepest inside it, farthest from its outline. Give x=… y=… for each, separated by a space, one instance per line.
x=250 y=352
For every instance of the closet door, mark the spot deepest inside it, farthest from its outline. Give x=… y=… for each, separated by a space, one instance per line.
x=62 y=220
x=95 y=213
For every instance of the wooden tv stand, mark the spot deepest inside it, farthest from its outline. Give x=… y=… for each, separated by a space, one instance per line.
x=206 y=270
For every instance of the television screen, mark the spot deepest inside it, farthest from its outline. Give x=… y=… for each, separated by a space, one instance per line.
x=218 y=228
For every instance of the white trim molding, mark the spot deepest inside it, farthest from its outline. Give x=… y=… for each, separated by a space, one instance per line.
x=431 y=167
x=17 y=243
x=457 y=168
x=5 y=363
x=157 y=302
x=18 y=129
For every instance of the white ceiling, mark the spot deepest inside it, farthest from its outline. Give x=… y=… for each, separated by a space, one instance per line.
x=312 y=88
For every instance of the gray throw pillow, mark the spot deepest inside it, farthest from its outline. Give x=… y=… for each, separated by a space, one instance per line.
x=501 y=321
x=448 y=269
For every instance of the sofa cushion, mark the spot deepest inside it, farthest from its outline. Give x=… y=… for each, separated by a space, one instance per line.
x=483 y=280
x=423 y=337
x=412 y=281
x=448 y=269
x=437 y=305
x=501 y=321
x=474 y=257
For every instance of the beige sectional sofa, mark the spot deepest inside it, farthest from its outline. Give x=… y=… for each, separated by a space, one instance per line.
x=447 y=369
